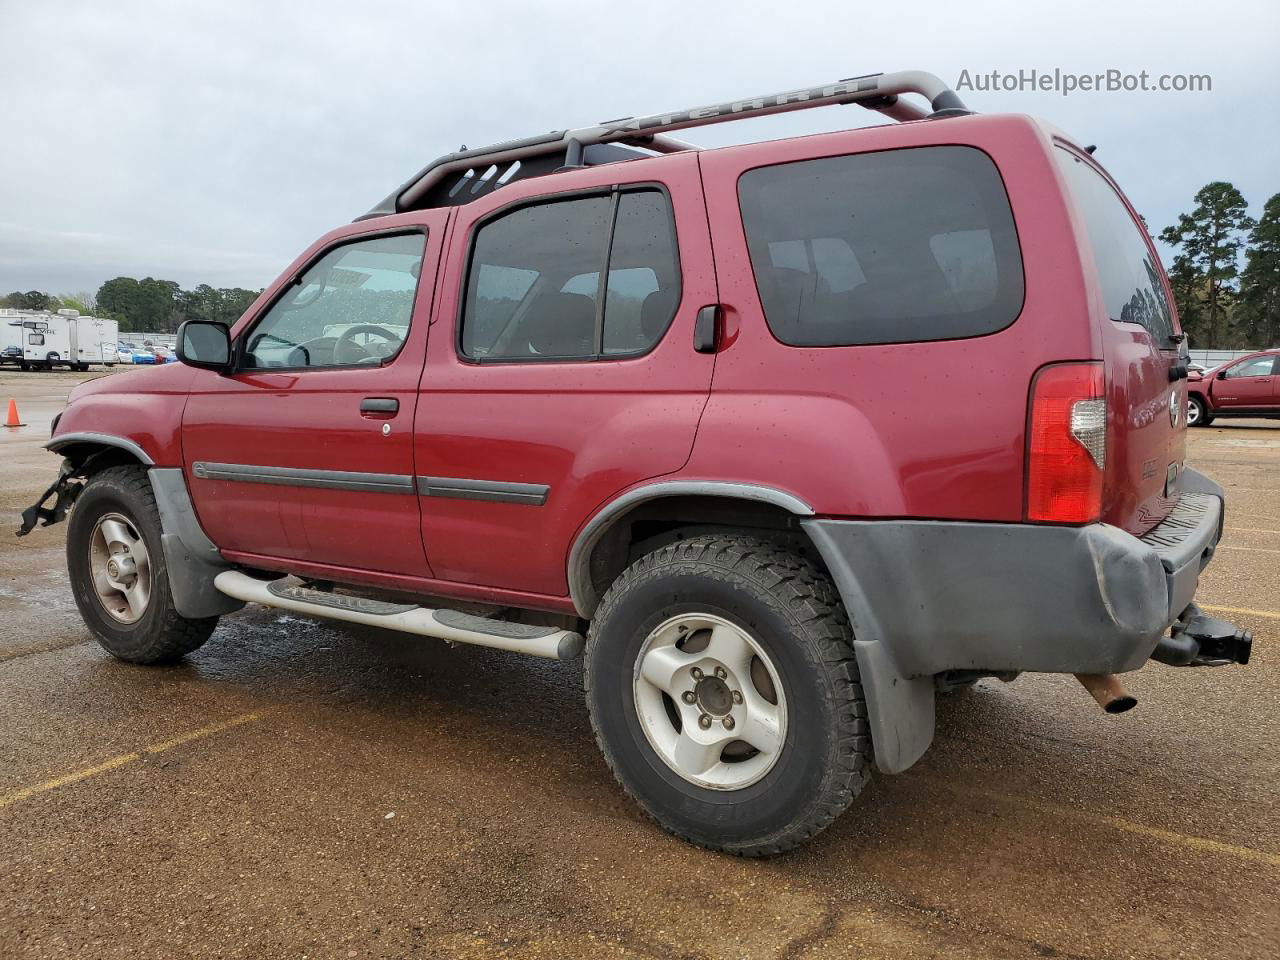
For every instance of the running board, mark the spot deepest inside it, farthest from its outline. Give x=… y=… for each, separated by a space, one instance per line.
x=451 y=625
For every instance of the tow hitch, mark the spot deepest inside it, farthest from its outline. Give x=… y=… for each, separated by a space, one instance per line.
x=1196 y=640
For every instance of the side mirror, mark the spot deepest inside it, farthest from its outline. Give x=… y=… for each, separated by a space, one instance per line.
x=205 y=344
x=1222 y=374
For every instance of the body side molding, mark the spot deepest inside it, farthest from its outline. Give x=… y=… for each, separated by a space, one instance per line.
x=302 y=477
x=580 y=588
x=498 y=491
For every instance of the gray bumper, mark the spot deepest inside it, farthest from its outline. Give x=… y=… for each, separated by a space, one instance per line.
x=929 y=596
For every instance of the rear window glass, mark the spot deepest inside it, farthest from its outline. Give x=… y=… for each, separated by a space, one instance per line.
x=1127 y=270
x=889 y=247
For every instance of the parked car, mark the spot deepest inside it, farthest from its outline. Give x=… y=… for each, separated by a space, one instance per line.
x=704 y=418
x=130 y=353
x=1246 y=387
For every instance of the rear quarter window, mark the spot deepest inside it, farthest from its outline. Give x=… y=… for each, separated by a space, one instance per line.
x=889 y=247
x=1128 y=273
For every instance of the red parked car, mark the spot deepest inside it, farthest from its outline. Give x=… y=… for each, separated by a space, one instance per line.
x=713 y=410
x=1246 y=387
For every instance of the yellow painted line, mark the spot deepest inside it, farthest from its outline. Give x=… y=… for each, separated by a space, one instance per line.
x=1190 y=841
x=126 y=758
x=1248 y=549
x=1252 y=530
x=1243 y=611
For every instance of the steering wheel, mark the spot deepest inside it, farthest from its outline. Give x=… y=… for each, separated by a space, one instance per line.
x=345 y=348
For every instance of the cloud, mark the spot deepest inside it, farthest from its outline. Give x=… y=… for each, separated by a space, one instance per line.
x=212 y=143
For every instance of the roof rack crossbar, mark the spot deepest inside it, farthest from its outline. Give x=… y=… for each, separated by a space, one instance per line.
x=882 y=92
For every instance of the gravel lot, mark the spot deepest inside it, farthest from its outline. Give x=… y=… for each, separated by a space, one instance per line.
x=299 y=789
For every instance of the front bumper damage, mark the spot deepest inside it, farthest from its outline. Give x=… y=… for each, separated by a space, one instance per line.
x=63 y=491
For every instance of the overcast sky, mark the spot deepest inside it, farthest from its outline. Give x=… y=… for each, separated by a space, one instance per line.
x=211 y=142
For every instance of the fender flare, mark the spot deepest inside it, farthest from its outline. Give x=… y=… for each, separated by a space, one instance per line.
x=582 y=591
x=104 y=439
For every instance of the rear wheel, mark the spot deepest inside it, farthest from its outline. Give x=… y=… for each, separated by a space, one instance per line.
x=1197 y=413
x=723 y=691
x=118 y=572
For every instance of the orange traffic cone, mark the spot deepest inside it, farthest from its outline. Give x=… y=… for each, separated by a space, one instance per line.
x=12 y=420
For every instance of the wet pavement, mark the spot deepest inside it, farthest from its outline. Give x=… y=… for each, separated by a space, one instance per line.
x=302 y=789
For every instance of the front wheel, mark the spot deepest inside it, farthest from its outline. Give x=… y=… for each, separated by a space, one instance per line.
x=724 y=694
x=1198 y=414
x=118 y=572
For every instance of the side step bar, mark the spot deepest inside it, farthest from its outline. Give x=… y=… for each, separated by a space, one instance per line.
x=550 y=642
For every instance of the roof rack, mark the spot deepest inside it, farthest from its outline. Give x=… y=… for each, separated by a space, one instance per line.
x=463 y=176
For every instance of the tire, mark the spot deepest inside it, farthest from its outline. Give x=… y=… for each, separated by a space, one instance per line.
x=1198 y=414
x=789 y=612
x=149 y=632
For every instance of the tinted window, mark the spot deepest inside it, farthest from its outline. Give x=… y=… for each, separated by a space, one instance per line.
x=644 y=275
x=350 y=308
x=885 y=247
x=1127 y=269
x=534 y=290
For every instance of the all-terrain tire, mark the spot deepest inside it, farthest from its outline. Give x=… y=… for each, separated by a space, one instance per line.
x=792 y=611
x=160 y=634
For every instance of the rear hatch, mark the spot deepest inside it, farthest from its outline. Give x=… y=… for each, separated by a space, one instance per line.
x=1146 y=406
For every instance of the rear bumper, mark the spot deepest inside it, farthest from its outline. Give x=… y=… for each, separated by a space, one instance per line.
x=926 y=597
x=1008 y=597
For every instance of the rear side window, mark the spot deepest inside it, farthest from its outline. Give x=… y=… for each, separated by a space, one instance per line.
x=889 y=247
x=534 y=288
x=1127 y=270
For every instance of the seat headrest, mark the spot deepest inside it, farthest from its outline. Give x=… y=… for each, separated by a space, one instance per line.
x=655 y=314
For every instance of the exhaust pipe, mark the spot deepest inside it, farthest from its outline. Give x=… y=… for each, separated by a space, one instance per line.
x=1106 y=689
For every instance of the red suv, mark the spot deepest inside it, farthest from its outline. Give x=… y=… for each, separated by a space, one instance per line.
x=1247 y=387
x=713 y=410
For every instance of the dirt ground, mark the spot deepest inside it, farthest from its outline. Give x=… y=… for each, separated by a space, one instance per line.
x=301 y=789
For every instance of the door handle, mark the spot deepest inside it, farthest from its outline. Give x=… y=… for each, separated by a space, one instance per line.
x=706 y=329
x=379 y=405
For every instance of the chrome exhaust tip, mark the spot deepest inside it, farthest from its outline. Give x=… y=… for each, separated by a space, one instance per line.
x=1106 y=689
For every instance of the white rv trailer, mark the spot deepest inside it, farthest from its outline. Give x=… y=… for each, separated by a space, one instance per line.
x=93 y=340
x=38 y=339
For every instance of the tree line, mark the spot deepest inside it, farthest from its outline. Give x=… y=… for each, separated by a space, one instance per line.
x=149 y=305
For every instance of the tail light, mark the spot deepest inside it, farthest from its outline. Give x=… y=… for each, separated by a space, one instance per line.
x=1066 y=444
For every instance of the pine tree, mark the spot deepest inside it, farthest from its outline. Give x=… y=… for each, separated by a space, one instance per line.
x=1260 y=281
x=1210 y=237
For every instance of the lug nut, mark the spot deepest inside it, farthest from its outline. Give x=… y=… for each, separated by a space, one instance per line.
x=697 y=673
x=737 y=696
x=704 y=721
x=688 y=696
x=728 y=723
x=721 y=672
